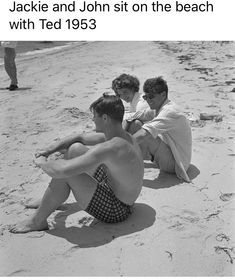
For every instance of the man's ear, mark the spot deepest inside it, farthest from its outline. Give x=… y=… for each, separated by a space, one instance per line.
x=105 y=117
x=163 y=93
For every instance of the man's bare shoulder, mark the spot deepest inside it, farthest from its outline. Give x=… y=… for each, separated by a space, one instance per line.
x=115 y=144
x=121 y=142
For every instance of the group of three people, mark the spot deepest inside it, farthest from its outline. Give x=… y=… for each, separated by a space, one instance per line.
x=104 y=169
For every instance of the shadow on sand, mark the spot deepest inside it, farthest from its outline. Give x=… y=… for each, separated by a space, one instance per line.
x=167 y=180
x=98 y=233
x=19 y=89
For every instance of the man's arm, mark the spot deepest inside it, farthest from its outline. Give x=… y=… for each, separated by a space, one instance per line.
x=141 y=135
x=66 y=168
x=89 y=139
x=144 y=116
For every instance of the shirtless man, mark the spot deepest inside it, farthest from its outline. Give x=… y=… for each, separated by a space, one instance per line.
x=105 y=179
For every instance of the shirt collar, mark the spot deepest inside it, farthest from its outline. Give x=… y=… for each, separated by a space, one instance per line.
x=163 y=104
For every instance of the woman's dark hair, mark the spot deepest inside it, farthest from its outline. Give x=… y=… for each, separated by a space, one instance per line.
x=110 y=105
x=155 y=85
x=126 y=81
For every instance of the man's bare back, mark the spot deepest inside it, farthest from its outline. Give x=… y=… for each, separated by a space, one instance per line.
x=109 y=193
x=125 y=168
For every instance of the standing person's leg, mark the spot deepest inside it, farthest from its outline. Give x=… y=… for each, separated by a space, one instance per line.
x=10 y=67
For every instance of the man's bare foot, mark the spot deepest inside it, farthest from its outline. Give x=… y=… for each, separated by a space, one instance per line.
x=28 y=226
x=33 y=205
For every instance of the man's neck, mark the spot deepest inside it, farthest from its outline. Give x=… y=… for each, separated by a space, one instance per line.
x=160 y=106
x=114 y=131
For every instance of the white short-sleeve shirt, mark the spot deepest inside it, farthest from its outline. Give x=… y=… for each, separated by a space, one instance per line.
x=174 y=129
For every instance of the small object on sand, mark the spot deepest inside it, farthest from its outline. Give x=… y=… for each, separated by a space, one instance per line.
x=211 y=117
x=233 y=90
x=197 y=123
x=170 y=255
x=226 y=250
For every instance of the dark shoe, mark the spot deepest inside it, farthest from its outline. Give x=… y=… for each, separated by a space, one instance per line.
x=13 y=87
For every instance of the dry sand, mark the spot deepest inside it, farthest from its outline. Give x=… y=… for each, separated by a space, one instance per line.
x=178 y=228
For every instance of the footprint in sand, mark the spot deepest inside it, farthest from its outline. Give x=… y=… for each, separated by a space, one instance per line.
x=70 y=251
x=211 y=139
x=75 y=112
x=18 y=272
x=227 y=196
x=229 y=82
x=179 y=220
x=220 y=237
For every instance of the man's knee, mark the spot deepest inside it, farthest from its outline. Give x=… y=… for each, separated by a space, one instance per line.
x=135 y=126
x=75 y=150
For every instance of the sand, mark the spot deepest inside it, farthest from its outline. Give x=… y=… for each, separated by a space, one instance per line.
x=177 y=228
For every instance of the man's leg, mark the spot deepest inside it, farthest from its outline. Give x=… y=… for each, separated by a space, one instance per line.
x=56 y=193
x=161 y=154
x=10 y=66
x=83 y=187
x=148 y=148
x=74 y=150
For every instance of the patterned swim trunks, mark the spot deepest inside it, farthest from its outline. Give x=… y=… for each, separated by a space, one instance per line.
x=104 y=205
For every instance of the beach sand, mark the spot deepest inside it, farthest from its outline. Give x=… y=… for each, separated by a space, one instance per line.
x=177 y=228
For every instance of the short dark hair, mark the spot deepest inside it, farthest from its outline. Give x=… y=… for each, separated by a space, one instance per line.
x=110 y=105
x=155 y=86
x=126 y=81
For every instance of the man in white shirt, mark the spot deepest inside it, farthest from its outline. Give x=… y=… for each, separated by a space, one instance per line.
x=167 y=136
x=9 y=63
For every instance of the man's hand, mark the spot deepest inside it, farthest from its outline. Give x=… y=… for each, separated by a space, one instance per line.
x=42 y=153
x=39 y=161
x=47 y=151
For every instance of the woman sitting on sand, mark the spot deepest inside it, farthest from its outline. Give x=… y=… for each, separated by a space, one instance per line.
x=127 y=88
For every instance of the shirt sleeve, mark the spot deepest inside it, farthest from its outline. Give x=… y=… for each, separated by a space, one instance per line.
x=165 y=121
x=144 y=116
